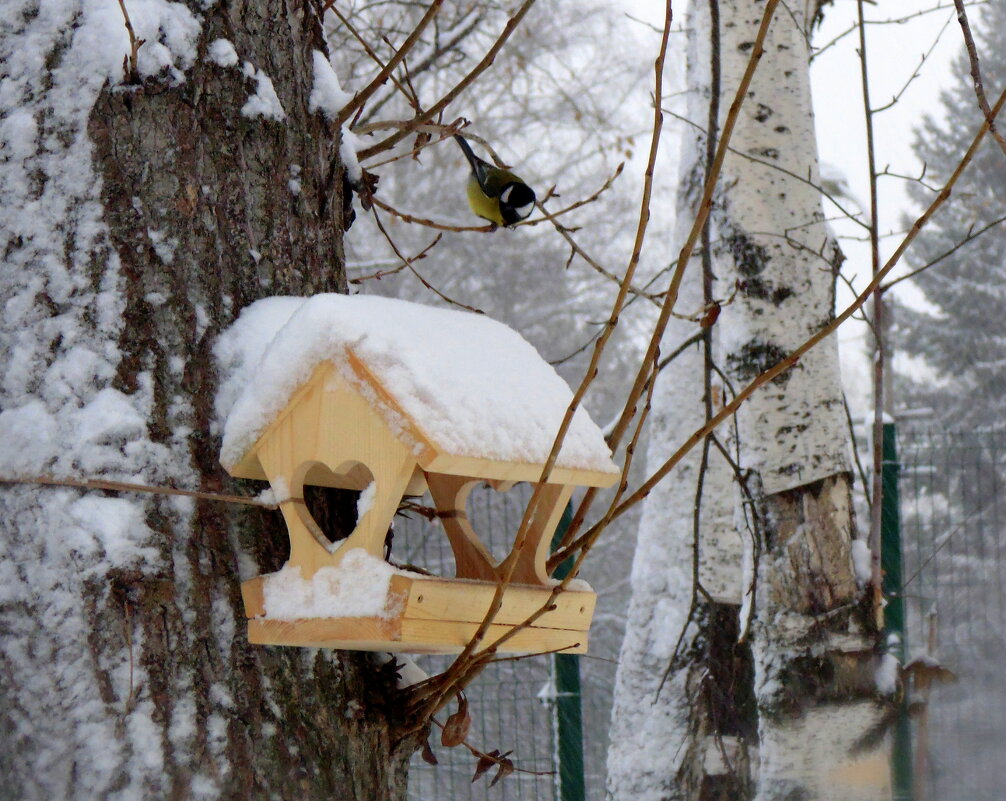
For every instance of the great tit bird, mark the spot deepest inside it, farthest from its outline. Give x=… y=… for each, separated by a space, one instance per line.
x=494 y=194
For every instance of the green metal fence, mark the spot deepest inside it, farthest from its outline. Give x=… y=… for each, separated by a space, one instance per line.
x=953 y=516
x=559 y=740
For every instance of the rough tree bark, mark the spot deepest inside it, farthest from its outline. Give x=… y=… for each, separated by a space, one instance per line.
x=138 y=220
x=807 y=683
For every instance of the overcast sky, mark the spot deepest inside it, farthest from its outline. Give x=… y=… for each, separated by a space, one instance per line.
x=894 y=53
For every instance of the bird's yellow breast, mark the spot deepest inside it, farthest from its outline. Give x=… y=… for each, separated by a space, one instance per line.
x=488 y=208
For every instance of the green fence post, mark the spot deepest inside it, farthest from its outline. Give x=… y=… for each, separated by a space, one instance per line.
x=894 y=612
x=568 y=710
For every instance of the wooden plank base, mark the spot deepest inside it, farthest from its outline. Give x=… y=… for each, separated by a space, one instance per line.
x=435 y=616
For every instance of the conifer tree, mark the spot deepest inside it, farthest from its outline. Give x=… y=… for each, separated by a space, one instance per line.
x=961 y=337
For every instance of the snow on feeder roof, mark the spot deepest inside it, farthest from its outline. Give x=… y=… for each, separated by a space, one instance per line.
x=395 y=398
x=458 y=384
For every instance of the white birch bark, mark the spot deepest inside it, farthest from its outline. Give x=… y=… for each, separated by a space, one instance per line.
x=651 y=725
x=813 y=653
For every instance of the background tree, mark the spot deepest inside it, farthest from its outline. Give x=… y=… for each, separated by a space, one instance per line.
x=957 y=331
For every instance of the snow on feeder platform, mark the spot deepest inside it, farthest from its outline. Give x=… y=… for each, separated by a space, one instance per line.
x=392 y=399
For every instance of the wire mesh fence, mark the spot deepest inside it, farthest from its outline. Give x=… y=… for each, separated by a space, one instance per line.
x=512 y=703
x=953 y=504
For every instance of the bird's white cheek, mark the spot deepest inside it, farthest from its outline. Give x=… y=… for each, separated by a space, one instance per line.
x=505 y=195
x=525 y=210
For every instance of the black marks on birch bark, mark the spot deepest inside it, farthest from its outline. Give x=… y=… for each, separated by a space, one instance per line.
x=754 y=358
x=751 y=260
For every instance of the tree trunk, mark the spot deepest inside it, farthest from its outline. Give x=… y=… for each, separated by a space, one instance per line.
x=813 y=635
x=674 y=709
x=777 y=719
x=138 y=221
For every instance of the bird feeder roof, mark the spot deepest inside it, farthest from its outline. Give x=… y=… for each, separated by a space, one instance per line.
x=460 y=388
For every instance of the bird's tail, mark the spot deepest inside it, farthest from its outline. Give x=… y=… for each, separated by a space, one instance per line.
x=473 y=160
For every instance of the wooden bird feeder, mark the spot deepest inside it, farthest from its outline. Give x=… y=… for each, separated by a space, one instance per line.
x=355 y=423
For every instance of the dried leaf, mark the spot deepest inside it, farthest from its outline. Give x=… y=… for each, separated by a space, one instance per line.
x=486 y=761
x=712 y=313
x=457 y=725
x=366 y=187
x=428 y=755
x=422 y=139
x=928 y=671
x=506 y=768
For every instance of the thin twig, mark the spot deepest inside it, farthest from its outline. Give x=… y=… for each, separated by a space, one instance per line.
x=893 y=21
x=976 y=73
x=384 y=273
x=521 y=657
x=415 y=272
x=705 y=207
x=785 y=364
x=577 y=250
x=855 y=452
x=457 y=672
x=132 y=72
x=123 y=486
x=428 y=61
x=916 y=73
x=364 y=94
x=589 y=199
x=879 y=331
x=971 y=236
x=448 y=98
x=411 y=218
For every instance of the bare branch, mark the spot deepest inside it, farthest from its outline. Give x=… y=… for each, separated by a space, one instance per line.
x=330 y=6
x=971 y=236
x=705 y=207
x=826 y=331
x=386 y=272
x=124 y=486
x=129 y=63
x=364 y=95
x=976 y=73
x=408 y=263
x=444 y=101
x=916 y=72
x=410 y=218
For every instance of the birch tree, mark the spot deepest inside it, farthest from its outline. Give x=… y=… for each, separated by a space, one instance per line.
x=151 y=189
x=810 y=694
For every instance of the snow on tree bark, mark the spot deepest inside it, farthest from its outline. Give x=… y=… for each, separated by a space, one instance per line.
x=136 y=222
x=649 y=728
x=659 y=733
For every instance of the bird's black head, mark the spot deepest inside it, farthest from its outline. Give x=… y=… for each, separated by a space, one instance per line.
x=516 y=202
